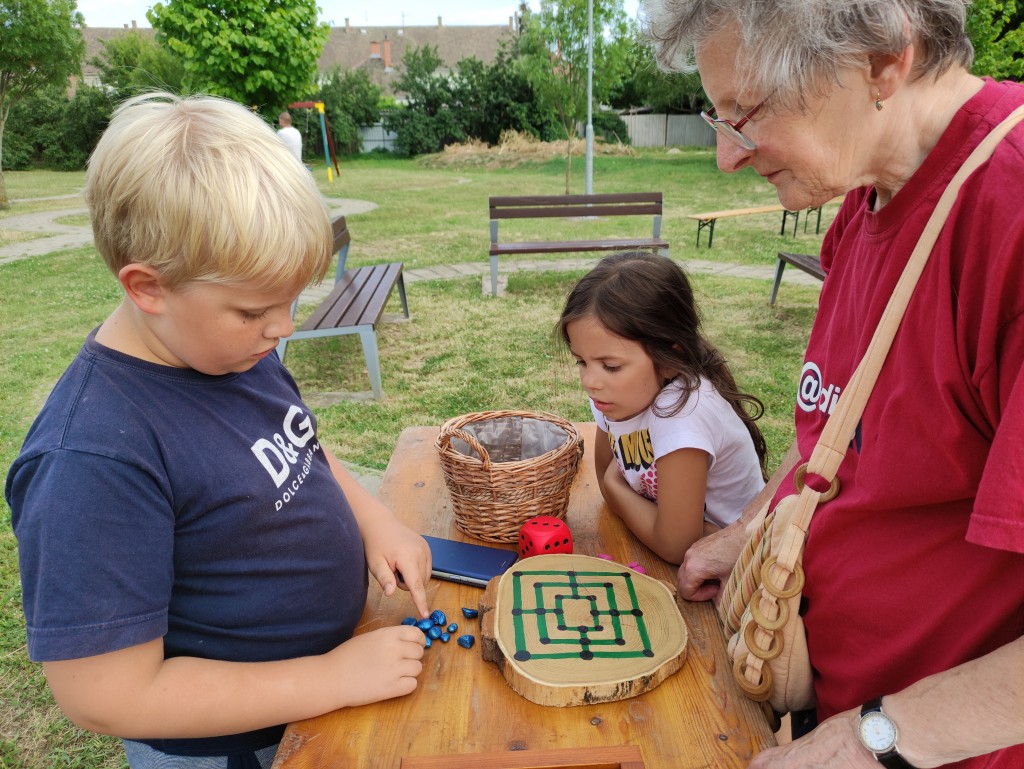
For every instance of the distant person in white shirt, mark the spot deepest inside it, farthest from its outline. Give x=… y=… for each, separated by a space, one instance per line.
x=290 y=135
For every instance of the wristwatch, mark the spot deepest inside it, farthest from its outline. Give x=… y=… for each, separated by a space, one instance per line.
x=878 y=734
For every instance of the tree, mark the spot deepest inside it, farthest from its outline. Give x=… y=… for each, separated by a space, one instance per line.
x=647 y=86
x=40 y=44
x=553 y=53
x=350 y=100
x=499 y=98
x=262 y=53
x=430 y=119
x=130 y=63
x=996 y=27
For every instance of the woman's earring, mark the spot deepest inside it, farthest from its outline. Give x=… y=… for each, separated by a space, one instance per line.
x=878 y=101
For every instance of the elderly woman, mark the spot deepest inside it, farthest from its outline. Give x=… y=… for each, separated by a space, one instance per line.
x=915 y=572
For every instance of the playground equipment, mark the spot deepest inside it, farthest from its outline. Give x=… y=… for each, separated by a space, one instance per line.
x=330 y=158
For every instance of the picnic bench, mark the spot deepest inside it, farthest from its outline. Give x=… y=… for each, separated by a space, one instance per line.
x=707 y=220
x=806 y=262
x=355 y=304
x=549 y=206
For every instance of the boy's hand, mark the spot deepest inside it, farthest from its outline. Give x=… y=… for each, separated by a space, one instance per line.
x=400 y=558
x=378 y=665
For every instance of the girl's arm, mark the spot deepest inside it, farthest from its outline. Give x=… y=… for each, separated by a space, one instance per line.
x=676 y=521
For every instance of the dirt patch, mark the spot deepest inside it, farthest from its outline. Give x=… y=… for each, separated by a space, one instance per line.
x=515 y=149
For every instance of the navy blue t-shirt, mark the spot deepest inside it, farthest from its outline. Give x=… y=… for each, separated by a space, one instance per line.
x=152 y=501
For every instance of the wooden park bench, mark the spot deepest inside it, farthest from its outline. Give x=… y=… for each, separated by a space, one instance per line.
x=806 y=262
x=549 y=206
x=354 y=306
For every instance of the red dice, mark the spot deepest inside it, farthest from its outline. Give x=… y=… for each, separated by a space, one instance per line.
x=542 y=535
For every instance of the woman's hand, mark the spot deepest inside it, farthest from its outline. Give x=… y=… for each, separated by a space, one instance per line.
x=709 y=562
x=832 y=745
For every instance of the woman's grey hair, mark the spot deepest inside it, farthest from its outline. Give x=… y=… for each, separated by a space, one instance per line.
x=797 y=48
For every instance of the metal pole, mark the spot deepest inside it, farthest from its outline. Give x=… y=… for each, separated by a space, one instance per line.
x=590 y=98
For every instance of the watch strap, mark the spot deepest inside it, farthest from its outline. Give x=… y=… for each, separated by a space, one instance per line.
x=891 y=759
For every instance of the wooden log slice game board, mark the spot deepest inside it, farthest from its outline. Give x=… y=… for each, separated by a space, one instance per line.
x=576 y=630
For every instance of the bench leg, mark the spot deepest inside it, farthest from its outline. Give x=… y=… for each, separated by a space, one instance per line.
x=779 y=267
x=785 y=218
x=369 y=339
x=494 y=276
x=710 y=224
x=281 y=347
x=401 y=295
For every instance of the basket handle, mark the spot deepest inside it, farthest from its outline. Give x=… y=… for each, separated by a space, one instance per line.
x=446 y=437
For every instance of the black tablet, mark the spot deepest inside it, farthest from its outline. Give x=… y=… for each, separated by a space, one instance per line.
x=467 y=562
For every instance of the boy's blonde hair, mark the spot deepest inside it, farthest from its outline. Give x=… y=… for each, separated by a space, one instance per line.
x=202 y=190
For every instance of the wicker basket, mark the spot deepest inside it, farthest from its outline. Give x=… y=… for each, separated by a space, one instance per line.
x=504 y=467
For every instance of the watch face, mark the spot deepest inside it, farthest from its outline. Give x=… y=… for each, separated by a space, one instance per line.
x=877 y=732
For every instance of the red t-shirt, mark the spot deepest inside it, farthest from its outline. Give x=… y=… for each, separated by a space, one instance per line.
x=918 y=564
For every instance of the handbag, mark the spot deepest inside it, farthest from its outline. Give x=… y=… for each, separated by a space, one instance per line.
x=760 y=605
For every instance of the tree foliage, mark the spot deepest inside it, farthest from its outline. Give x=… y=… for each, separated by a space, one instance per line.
x=996 y=28
x=553 y=52
x=262 y=53
x=644 y=85
x=55 y=131
x=40 y=44
x=130 y=63
x=428 y=122
x=473 y=101
x=350 y=100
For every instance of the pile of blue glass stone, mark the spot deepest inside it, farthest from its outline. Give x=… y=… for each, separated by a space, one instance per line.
x=437 y=628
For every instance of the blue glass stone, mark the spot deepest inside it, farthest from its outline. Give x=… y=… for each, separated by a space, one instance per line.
x=434 y=632
x=446 y=637
x=438 y=617
x=429 y=643
x=425 y=624
x=409 y=621
x=466 y=641
x=452 y=628
x=469 y=613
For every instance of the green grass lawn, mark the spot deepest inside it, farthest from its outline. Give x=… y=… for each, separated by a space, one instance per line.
x=461 y=352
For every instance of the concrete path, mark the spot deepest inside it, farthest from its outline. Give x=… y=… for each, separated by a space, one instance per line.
x=61 y=237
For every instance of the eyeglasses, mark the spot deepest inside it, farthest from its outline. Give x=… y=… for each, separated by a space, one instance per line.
x=731 y=129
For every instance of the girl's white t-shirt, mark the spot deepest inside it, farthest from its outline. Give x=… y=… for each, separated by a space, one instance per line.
x=706 y=422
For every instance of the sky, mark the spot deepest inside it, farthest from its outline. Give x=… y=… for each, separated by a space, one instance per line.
x=374 y=13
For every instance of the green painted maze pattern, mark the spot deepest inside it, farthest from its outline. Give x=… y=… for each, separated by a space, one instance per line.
x=605 y=637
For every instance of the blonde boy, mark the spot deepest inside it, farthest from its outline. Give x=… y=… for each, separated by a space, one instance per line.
x=193 y=560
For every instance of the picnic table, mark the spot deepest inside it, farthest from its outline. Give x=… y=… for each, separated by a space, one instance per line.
x=463 y=713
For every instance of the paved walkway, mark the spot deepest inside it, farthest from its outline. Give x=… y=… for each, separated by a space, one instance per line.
x=64 y=236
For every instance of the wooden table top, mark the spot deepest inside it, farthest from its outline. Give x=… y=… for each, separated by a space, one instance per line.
x=696 y=718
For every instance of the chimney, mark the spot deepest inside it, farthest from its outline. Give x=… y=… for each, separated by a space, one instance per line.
x=386 y=50
x=511 y=23
x=374 y=49
x=134 y=25
x=126 y=26
x=346 y=24
x=439 y=22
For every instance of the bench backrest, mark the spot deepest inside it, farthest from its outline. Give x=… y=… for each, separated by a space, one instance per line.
x=342 y=239
x=544 y=206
